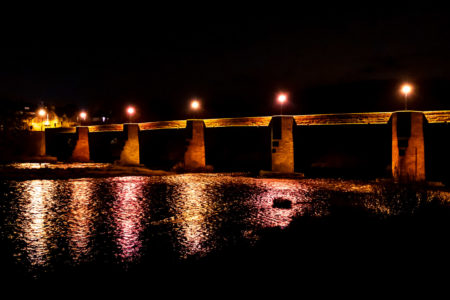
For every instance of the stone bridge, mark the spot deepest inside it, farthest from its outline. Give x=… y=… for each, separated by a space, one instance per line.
x=408 y=143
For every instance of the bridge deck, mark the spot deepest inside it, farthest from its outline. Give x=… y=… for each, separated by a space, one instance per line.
x=300 y=120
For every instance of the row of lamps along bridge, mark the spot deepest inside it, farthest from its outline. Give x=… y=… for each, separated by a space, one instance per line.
x=195 y=104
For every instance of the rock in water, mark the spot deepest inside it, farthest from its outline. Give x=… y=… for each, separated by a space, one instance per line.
x=282 y=203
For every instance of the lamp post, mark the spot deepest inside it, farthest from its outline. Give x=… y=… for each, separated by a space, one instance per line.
x=281 y=98
x=406 y=89
x=130 y=112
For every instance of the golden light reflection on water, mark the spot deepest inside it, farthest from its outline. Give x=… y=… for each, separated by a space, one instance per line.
x=67 y=218
x=35 y=220
x=81 y=219
x=201 y=206
x=192 y=206
x=128 y=214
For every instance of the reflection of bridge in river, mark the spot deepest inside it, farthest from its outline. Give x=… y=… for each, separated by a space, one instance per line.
x=408 y=144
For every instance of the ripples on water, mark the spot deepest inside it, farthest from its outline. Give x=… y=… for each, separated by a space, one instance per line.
x=123 y=220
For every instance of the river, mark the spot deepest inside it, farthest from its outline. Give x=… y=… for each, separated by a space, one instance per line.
x=125 y=224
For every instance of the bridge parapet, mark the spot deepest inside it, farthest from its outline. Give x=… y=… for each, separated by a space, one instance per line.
x=343 y=119
x=62 y=130
x=238 y=122
x=106 y=127
x=178 y=124
x=442 y=116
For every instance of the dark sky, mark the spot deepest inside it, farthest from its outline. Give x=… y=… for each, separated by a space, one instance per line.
x=328 y=59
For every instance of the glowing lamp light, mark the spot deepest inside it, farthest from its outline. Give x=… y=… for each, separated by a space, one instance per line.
x=42 y=112
x=195 y=104
x=406 y=89
x=282 y=98
x=131 y=111
x=83 y=115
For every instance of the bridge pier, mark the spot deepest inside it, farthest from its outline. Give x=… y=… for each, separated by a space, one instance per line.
x=81 y=151
x=194 y=157
x=130 y=151
x=38 y=143
x=408 y=146
x=282 y=144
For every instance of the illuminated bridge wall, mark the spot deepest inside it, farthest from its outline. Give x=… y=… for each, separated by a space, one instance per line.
x=354 y=143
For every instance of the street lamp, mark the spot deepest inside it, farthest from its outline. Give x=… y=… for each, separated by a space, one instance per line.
x=281 y=98
x=195 y=106
x=83 y=116
x=42 y=113
x=406 y=89
x=130 y=111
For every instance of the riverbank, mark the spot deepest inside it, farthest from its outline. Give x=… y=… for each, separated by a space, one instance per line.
x=29 y=171
x=51 y=170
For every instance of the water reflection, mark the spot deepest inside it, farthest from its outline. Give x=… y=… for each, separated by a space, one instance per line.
x=81 y=219
x=192 y=205
x=203 y=207
x=35 y=221
x=126 y=220
x=272 y=189
x=128 y=215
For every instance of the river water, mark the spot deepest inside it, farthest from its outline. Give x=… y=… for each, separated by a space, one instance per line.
x=119 y=224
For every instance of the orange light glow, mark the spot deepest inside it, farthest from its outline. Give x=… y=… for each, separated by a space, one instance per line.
x=36 y=227
x=80 y=219
x=131 y=110
x=282 y=98
x=194 y=209
x=42 y=112
x=406 y=89
x=195 y=104
x=83 y=115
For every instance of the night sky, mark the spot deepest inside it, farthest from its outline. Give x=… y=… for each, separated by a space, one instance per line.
x=328 y=59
